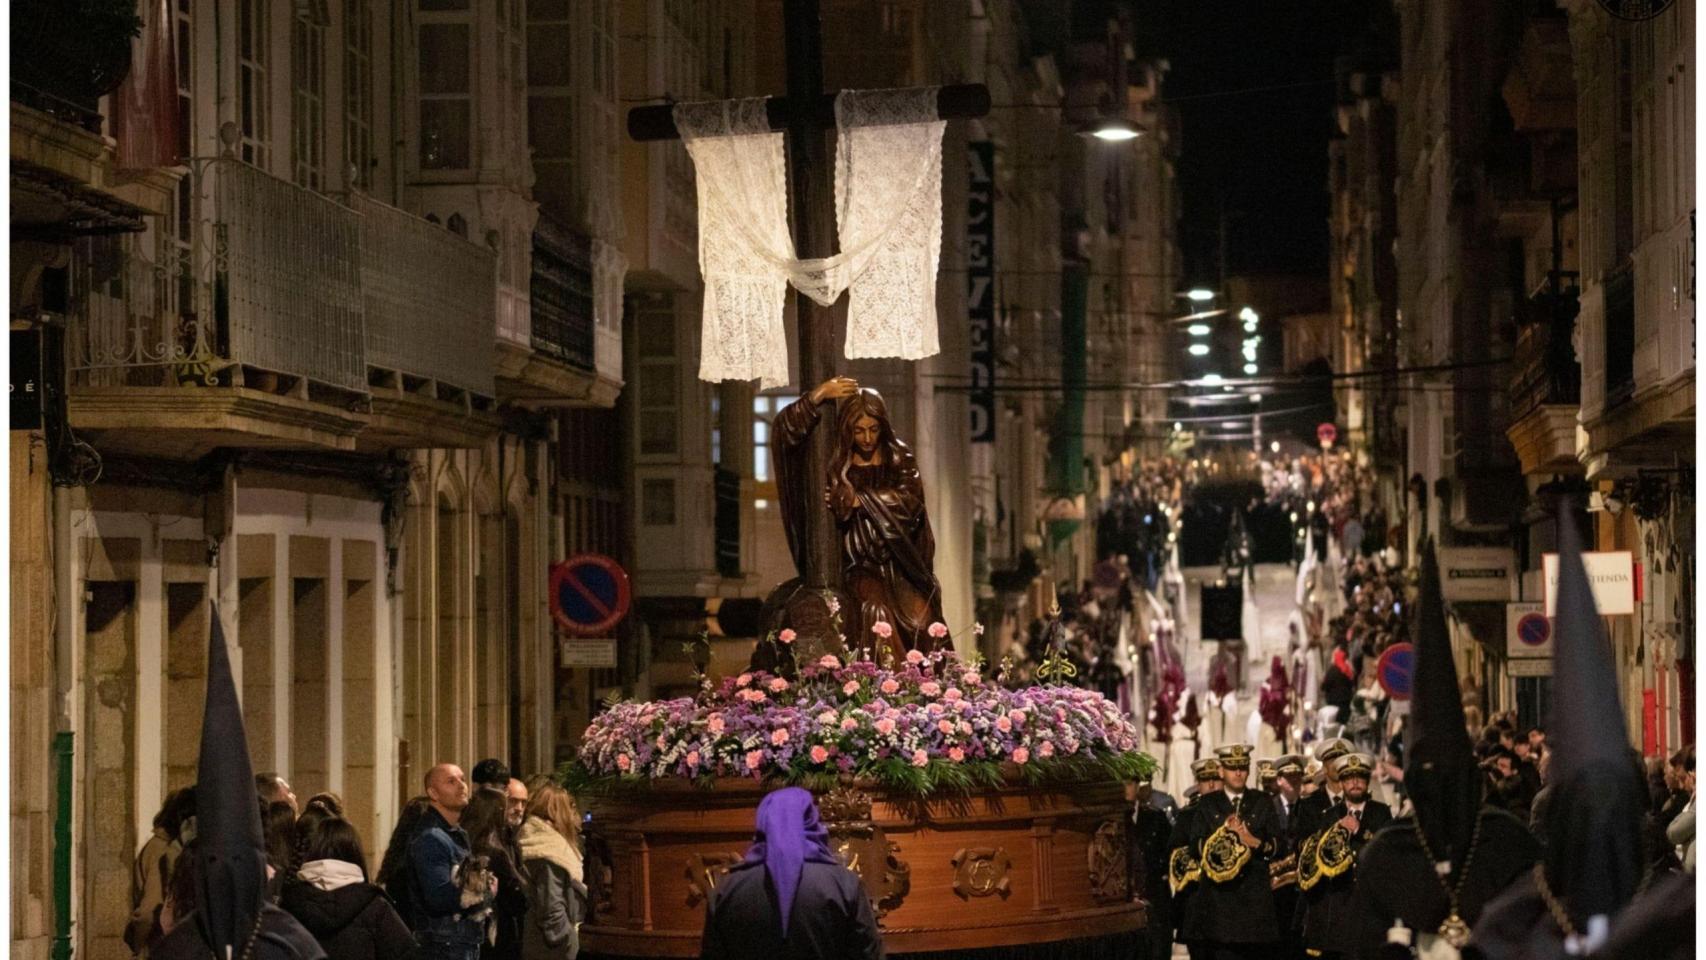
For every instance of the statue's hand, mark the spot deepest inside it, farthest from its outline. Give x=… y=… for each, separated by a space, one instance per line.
x=835 y=388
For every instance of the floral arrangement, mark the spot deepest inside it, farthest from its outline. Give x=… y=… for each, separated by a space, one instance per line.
x=920 y=725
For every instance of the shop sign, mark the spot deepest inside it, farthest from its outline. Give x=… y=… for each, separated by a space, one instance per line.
x=1529 y=668
x=1476 y=574
x=1611 y=577
x=980 y=286
x=1528 y=631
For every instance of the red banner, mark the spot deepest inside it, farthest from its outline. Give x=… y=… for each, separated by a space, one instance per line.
x=144 y=108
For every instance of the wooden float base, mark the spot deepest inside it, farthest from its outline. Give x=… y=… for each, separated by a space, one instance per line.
x=1008 y=868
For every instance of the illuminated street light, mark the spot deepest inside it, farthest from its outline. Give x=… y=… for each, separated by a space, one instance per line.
x=1111 y=130
x=1249 y=368
x=1197 y=330
x=1198 y=349
x=1248 y=315
x=1199 y=295
x=1274 y=446
x=1211 y=378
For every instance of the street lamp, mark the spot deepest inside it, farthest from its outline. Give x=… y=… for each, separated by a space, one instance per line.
x=1110 y=130
x=1248 y=315
x=1197 y=330
x=1198 y=349
x=1200 y=295
x=1249 y=368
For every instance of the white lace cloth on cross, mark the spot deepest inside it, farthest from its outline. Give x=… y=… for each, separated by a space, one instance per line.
x=888 y=211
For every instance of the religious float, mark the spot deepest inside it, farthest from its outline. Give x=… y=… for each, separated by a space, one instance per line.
x=983 y=818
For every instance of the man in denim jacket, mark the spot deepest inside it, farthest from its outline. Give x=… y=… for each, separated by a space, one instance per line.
x=442 y=926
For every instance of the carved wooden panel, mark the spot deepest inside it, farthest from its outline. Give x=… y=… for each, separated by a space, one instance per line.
x=982 y=872
x=703 y=872
x=861 y=844
x=1108 y=878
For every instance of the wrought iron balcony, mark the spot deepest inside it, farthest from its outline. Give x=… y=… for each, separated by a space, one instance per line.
x=1544 y=368
x=1619 y=332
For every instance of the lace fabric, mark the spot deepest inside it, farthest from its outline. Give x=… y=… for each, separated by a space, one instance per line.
x=888 y=188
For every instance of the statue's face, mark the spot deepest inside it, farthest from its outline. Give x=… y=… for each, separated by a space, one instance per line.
x=866 y=432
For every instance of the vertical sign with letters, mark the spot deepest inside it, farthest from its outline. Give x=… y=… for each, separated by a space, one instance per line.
x=980 y=286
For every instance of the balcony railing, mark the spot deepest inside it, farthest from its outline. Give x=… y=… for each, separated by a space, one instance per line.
x=66 y=56
x=429 y=297
x=283 y=289
x=1544 y=367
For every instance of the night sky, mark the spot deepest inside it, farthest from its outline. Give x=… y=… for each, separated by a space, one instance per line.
x=1261 y=152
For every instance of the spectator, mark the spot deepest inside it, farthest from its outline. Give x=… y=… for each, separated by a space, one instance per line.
x=791 y=897
x=272 y=788
x=153 y=871
x=1505 y=786
x=320 y=808
x=515 y=809
x=395 y=876
x=551 y=860
x=487 y=824
x=445 y=927
x=278 y=828
x=330 y=895
x=1338 y=685
x=1680 y=833
x=490 y=772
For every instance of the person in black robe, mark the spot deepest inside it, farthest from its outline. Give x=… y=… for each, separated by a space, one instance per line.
x=790 y=899
x=1437 y=869
x=1147 y=833
x=1591 y=886
x=873 y=489
x=1184 y=868
x=1329 y=927
x=228 y=911
x=1233 y=913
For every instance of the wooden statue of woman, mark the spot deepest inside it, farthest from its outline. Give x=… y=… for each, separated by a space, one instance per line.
x=873 y=490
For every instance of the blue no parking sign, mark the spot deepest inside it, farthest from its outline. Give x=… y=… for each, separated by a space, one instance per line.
x=589 y=594
x=1396 y=670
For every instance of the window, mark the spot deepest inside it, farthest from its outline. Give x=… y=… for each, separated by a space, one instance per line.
x=358 y=90
x=179 y=226
x=657 y=390
x=308 y=97
x=657 y=502
x=254 y=101
x=552 y=117
x=446 y=93
x=764 y=411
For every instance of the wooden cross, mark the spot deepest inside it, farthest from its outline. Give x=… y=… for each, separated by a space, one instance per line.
x=807 y=116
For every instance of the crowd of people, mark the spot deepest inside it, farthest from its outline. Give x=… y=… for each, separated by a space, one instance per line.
x=489 y=868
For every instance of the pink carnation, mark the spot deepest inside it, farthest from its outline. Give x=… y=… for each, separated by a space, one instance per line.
x=938 y=630
x=848 y=723
x=850 y=687
x=946 y=726
x=754 y=758
x=752 y=696
x=787 y=636
x=885 y=726
x=827 y=718
x=819 y=754
x=956 y=754
x=1004 y=725
x=1017 y=716
x=743 y=679
x=692 y=758
x=914 y=657
x=920 y=758
x=971 y=679
x=1046 y=749
x=930 y=688
x=882 y=629
x=965 y=728
x=714 y=723
x=624 y=762
x=829 y=662
x=953 y=693
x=779 y=736
x=890 y=686
x=777 y=685
x=1020 y=755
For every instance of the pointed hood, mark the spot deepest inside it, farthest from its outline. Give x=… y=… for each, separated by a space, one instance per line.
x=1440 y=772
x=231 y=871
x=1593 y=824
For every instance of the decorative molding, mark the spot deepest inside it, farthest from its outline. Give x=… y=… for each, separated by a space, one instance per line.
x=703 y=872
x=982 y=872
x=1107 y=862
x=864 y=848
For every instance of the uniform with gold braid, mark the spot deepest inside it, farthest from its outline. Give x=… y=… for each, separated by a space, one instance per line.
x=1237 y=832
x=1184 y=863
x=1327 y=860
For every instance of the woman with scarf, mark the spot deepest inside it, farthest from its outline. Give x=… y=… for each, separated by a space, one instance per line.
x=549 y=840
x=791 y=899
x=331 y=896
